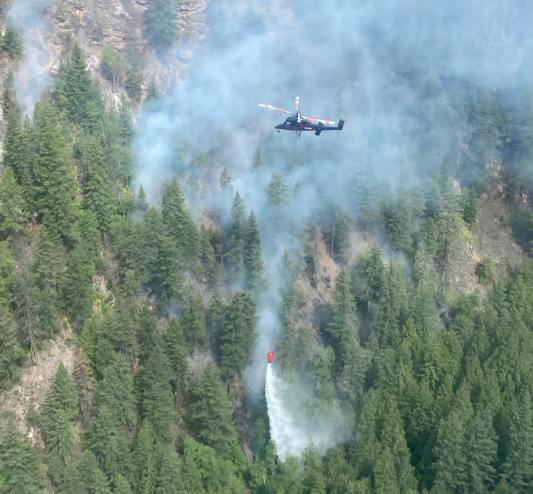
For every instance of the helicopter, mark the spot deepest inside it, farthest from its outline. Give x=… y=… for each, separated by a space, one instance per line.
x=299 y=123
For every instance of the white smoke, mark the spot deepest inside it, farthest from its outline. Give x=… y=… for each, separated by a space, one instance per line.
x=32 y=76
x=290 y=426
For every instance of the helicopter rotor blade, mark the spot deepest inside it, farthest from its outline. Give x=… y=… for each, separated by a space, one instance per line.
x=329 y=122
x=270 y=107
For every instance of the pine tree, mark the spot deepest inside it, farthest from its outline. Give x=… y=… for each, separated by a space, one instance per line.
x=207 y=255
x=159 y=20
x=519 y=461
x=253 y=262
x=398 y=225
x=177 y=355
x=225 y=179
x=237 y=235
x=210 y=416
x=141 y=203
x=98 y=194
x=9 y=102
x=11 y=356
x=480 y=448
x=21 y=470
x=258 y=160
x=370 y=274
x=313 y=477
x=127 y=129
x=13 y=42
x=55 y=182
x=192 y=320
x=156 y=393
x=90 y=233
x=169 y=478
x=384 y=475
x=76 y=287
x=115 y=392
x=47 y=266
x=215 y=319
x=277 y=191
x=92 y=478
x=344 y=325
x=179 y=221
x=324 y=365
x=144 y=459
x=77 y=85
x=57 y=420
x=85 y=385
x=239 y=333
x=109 y=443
x=13 y=210
x=122 y=486
x=153 y=93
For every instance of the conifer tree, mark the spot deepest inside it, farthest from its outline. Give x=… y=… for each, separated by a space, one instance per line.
x=90 y=233
x=13 y=209
x=177 y=355
x=398 y=224
x=210 y=416
x=115 y=392
x=179 y=221
x=47 y=266
x=77 y=85
x=225 y=179
x=215 y=319
x=237 y=235
x=13 y=42
x=127 y=129
x=384 y=474
x=141 y=203
x=11 y=356
x=207 y=254
x=313 y=477
x=192 y=320
x=57 y=420
x=344 y=325
x=85 y=385
x=144 y=459
x=21 y=470
x=122 y=486
x=76 y=287
x=253 y=262
x=98 y=194
x=55 y=182
x=159 y=20
x=239 y=333
x=519 y=461
x=324 y=364
x=277 y=191
x=370 y=274
x=155 y=393
x=109 y=443
x=92 y=478
x=480 y=451
x=258 y=160
x=169 y=477
x=9 y=102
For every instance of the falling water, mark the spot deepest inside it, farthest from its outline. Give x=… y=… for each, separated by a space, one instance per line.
x=289 y=434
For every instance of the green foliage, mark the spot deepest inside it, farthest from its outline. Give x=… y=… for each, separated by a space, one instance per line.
x=55 y=194
x=177 y=355
x=192 y=320
x=98 y=194
x=258 y=160
x=159 y=19
x=469 y=205
x=76 y=287
x=57 y=419
x=155 y=393
x=13 y=209
x=239 y=333
x=253 y=262
x=11 y=356
x=21 y=468
x=486 y=270
x=11 y=42
x=236 y=237
x=210 y=415
x=277 y=191
x=225 y=179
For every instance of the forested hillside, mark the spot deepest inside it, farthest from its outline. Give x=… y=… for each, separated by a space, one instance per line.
x=161 y=296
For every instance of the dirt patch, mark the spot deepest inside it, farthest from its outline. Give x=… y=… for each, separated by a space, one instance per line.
x=36 y=380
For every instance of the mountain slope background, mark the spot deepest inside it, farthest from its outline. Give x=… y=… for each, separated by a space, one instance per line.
x=158 y=239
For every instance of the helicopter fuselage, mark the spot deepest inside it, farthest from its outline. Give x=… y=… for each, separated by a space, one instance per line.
x=304 y=125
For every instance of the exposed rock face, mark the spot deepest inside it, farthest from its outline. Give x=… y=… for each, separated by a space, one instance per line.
x=120 y=24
